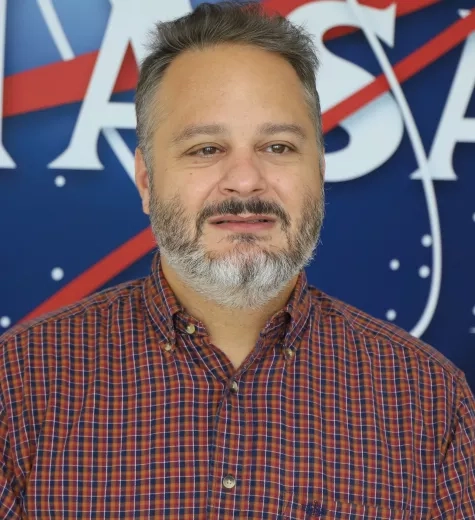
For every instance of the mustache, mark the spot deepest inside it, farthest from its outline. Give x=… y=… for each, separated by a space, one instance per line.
x=237 y=207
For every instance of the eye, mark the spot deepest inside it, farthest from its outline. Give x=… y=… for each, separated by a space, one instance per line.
x=206 y=151
x=279 y=148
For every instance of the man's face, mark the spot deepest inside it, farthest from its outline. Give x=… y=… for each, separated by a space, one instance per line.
x=234 y=140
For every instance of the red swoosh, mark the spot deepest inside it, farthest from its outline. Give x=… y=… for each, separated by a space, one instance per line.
x=67 y=81
x=96 y=276
x=285 y=7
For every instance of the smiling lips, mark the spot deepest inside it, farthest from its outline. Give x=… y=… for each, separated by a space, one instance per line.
x=242 y=224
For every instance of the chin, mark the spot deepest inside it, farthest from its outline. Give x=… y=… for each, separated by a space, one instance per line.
x=244 y=243
x=240 y=248
x=247 y=238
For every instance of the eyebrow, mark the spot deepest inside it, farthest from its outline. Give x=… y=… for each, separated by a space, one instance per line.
x=191 y=131
x=277 y=128
x=213 y=129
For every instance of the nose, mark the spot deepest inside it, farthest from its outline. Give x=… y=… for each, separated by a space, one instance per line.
x=242 y=175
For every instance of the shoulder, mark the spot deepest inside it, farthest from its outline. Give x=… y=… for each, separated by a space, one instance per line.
x=379 y=339
x=94 y=308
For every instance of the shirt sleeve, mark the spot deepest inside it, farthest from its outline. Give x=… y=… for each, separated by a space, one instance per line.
x=10 y=503
x=455 y=493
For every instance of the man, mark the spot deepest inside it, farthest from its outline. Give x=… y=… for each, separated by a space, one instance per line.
x=223 y=386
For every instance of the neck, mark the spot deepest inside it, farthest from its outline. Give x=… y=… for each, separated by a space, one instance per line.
x=235 y=331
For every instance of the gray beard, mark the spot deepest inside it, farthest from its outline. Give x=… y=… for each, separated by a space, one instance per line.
x=247 y=276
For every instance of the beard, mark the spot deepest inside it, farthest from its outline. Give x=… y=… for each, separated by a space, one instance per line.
x=250 y=274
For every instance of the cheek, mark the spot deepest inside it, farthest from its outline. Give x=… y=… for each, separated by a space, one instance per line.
x=290 y=193
x=196 y=191
x=296 y=202
x=192 y=192
x=173 y=181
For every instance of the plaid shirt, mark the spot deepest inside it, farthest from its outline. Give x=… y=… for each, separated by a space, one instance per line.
x=119 y=407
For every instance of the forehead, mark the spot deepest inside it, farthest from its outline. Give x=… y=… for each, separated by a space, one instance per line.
x=235 y=82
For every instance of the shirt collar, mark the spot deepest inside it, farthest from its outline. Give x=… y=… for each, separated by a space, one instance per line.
x=170 y=317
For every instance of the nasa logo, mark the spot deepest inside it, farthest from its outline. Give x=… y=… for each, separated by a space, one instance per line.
x=393 y=134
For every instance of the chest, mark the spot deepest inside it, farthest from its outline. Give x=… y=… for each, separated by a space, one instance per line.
x=277 y=442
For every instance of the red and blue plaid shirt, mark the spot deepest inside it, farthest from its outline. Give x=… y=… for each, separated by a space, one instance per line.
x=120 y=407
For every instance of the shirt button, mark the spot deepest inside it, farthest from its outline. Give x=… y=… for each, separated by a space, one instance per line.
x=234 y=387
x=289 y=352
x=229 y=482
x=190 y=328
x=168 y=347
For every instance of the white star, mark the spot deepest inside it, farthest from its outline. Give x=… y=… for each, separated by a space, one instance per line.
x=5 y=322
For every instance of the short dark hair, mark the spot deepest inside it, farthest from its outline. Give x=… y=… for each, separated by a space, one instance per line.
x=224 y=22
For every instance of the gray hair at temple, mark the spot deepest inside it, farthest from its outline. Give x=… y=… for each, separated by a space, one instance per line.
x=213 y=24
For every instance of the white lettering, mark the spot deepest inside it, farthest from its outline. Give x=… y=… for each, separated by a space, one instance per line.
x=5 y=160
x=129 y=23
x=454 y=127
x=375 y=130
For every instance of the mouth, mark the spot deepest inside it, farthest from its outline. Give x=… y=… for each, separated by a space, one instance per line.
x=243 y=224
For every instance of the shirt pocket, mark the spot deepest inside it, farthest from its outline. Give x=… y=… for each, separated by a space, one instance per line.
x=295 y=509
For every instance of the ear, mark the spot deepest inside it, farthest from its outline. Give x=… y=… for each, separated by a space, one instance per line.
x=142 y=181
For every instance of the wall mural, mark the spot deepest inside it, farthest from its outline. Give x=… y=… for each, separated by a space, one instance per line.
x=397 y=86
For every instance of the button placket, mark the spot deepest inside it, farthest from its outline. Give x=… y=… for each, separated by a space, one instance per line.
x=228 y=447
